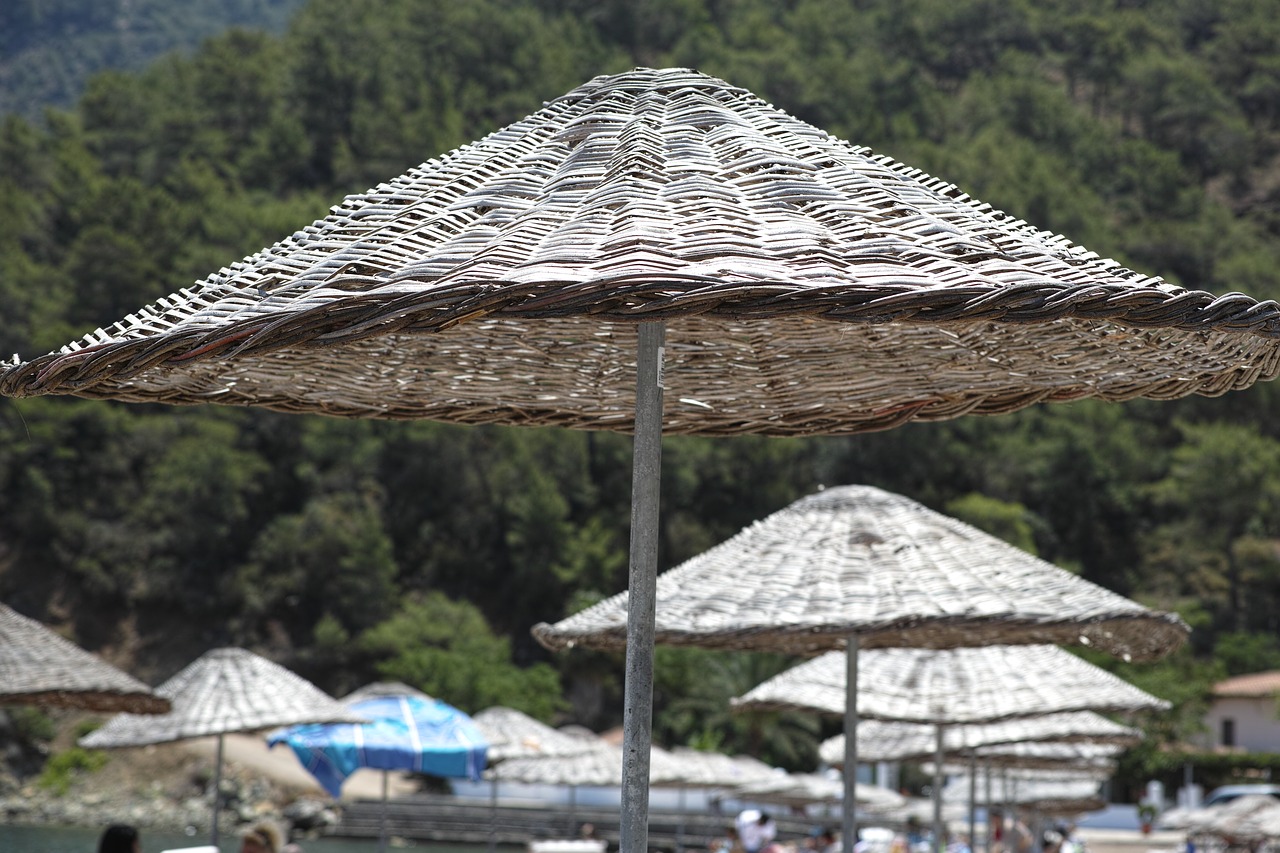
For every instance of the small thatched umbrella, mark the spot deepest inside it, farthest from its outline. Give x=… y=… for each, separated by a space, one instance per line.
x=661 y=234
x=856 y=567
x=221 y=692
x=513 y=735
x=1047 y=792
x=887 y=741
x=802 y=789
x=39 y=667
x=601 y=764
x=1083 y=738
x=960 y=686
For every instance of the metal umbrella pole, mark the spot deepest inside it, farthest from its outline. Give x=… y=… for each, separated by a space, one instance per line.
x=637 y=720
x=217 y=792
x=849 y=808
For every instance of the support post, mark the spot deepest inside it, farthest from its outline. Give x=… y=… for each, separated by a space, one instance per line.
x=637 y=717
x=939 y=832
x=849 y=810
x=217 y=791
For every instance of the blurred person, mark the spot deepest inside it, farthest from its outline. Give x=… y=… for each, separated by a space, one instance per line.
x=120 y=838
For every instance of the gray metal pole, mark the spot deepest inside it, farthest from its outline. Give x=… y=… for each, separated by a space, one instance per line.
x=986 y=778
x=382 y=824
x=637 y=715
x=939 y=835
x=849 y=808
x=217 y=790
x=973 y=796
x=493 y=814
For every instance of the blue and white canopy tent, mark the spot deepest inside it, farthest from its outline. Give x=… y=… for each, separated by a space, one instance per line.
x=411 y=732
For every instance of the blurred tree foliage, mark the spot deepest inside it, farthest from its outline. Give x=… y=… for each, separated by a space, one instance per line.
x=1148 y=131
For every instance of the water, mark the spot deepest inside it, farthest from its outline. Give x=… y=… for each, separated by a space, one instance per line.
x=57 y=839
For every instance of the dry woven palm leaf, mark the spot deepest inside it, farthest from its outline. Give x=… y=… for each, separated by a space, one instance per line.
x=802 y=789
x=224 y=691
x=702 y=769
x=860 y=561
x=1045 y=791
x=514 y=734
x=889 y=741
x=955 y=686
x=503 y=283
x=599 y=764
x=38 y=667
x=1087 y=758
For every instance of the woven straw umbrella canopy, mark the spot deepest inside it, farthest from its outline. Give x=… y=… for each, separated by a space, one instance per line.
x=38 y=667
x=665 y=227
x=223 y=691
x=857 y=567
x=988 y=684
x=514 y=734
x=1038 y=756
x=1049 y=792
x=1243 y=823
x=886 y=741
x=961 y=686
x=802 y=789
x=857 y=561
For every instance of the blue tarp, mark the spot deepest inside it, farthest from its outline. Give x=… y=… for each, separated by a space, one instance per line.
x=405 y=733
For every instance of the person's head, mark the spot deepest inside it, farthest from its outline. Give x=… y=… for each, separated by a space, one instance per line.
x=763 y=819
x=262 y=837
x=119 y=838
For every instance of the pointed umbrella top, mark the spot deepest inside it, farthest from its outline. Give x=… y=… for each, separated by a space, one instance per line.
x=808 y=286
x=887 y=741
x=224 y=691
x=514 y=734
x=952 y=687
x=38 y=667
x=859 y=561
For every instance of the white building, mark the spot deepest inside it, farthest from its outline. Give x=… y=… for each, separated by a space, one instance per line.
x=1244 y=714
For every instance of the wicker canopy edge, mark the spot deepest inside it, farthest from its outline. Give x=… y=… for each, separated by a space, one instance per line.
x=527 y=258
x=893 y=741
x=857 y=561
x=40 y=667
x=223 y=691
x=1141 y=638
x=990 y=684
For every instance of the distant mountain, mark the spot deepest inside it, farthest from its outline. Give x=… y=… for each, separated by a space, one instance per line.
x=49 y=48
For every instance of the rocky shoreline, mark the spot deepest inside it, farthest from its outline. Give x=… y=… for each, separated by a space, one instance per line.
x=174 y=799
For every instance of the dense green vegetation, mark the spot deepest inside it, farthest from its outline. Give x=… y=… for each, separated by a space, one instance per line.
x=49 y=48
x=1148 y=131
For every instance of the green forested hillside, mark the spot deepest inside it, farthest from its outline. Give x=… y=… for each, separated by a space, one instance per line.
x=49 y=48
x=1147 y=131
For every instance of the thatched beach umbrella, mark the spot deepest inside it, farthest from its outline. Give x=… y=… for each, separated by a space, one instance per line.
x=662 y=235
x=39 y=667
x=888 y=741
x=514 y=734
x=803 y=789
x=856 y=567
x=1080 y=738
x=962 y=686
x=1047 y=792
x=222 y=692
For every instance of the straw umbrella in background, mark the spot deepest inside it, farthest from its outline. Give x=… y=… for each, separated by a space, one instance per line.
x=856 y=567
x=514 y=734
x=654 y=236
x=1063 y=791
x=221 y=692
x=1082 y=736
x=941 y=688
x=599 y=765
x=39 y=667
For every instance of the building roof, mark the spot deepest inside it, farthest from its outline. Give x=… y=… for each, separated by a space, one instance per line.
x=1249 y=685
